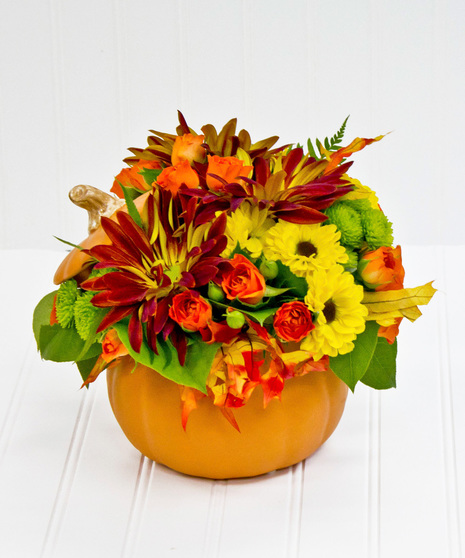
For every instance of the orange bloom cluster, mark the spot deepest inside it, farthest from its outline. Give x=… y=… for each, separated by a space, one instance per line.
x=251 y=360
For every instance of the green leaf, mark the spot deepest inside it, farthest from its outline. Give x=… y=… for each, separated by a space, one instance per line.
x=69 y=243
x=63 y=344
x=99 y=315
x=273 y=291
x=132 y=209
x=381 y=373
x=195 y=371
x=311 y=150
x=42 y=314
x=298 y=285
x=85 y=367
x=351 y=367
x=150 y=175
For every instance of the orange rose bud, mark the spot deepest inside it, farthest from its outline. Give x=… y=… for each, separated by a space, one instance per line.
x=244 y=281
x=112 y=347
x=191 y=311
x=188 y=148
x=131 y=178
x=172 y=178
x=228 y=168
x=382 y=269
x=293 y=321
x=390 y=332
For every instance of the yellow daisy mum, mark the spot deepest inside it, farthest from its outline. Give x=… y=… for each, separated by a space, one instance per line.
x=338 y=300
x=304 y=248
x=246 y=226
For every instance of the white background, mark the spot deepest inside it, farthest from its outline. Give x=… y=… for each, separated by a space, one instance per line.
x=82 y=81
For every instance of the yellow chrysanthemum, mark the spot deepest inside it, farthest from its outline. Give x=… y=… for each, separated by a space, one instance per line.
x=338 y=300
x=246 y=226
x=304 y=248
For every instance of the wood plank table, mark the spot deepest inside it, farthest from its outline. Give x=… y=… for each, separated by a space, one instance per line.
x=389 y=483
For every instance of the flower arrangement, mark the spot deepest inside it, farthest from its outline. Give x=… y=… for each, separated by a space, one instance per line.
x=227 y=265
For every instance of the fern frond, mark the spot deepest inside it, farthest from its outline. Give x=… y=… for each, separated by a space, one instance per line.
x=335 y=142
x=330 y=144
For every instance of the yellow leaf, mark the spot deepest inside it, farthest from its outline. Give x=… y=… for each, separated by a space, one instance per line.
x=401 y=298
x=400 y=303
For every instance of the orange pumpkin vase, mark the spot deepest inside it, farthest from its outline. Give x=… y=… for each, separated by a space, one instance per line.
x=148 y=408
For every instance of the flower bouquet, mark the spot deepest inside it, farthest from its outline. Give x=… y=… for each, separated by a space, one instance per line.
x=232 y=291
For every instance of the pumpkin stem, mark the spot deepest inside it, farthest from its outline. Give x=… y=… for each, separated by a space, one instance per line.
x=95 y=202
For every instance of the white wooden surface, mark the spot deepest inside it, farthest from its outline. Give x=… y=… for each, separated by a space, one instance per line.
x=389 y=482
x=82 y=81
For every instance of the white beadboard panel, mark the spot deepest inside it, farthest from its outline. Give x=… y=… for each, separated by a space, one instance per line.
x=416 y=512
x=335 y=487
x=255 y=518
x=29 y=164
x=176 y=515
x=35 y=443
x=453 y=390
x=92 y=509
x=16 y=327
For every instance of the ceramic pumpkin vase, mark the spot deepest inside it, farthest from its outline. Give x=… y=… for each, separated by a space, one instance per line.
x=147 y=406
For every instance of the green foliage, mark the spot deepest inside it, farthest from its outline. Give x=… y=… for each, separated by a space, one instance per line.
x=68 y=243
x=349 y=223
x=84 y=314
x=85 y=367
x=194 y=373
x=66 y=297
x=296 y=286
x=150 y=175
x=42 y=313
x=381 y=373
x=352 y=367
x=132 y=209
x=57 y=343
x=376 y=228
x=64 y=345
x=259 y=315
x=330 y=144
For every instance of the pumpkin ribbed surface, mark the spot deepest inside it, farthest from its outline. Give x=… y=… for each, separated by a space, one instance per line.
x=148 y=408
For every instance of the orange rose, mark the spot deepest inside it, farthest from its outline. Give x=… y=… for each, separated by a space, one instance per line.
x=131 y=177
x=293 y=321
x=382 y=269
x=228 y=168
x=112 y=347
x=190 y=310
x=188 y=148
x=244 y=281
x=172 y=178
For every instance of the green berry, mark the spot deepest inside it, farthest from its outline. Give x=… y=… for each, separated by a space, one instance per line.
x=235 y=319
x=269 y=269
